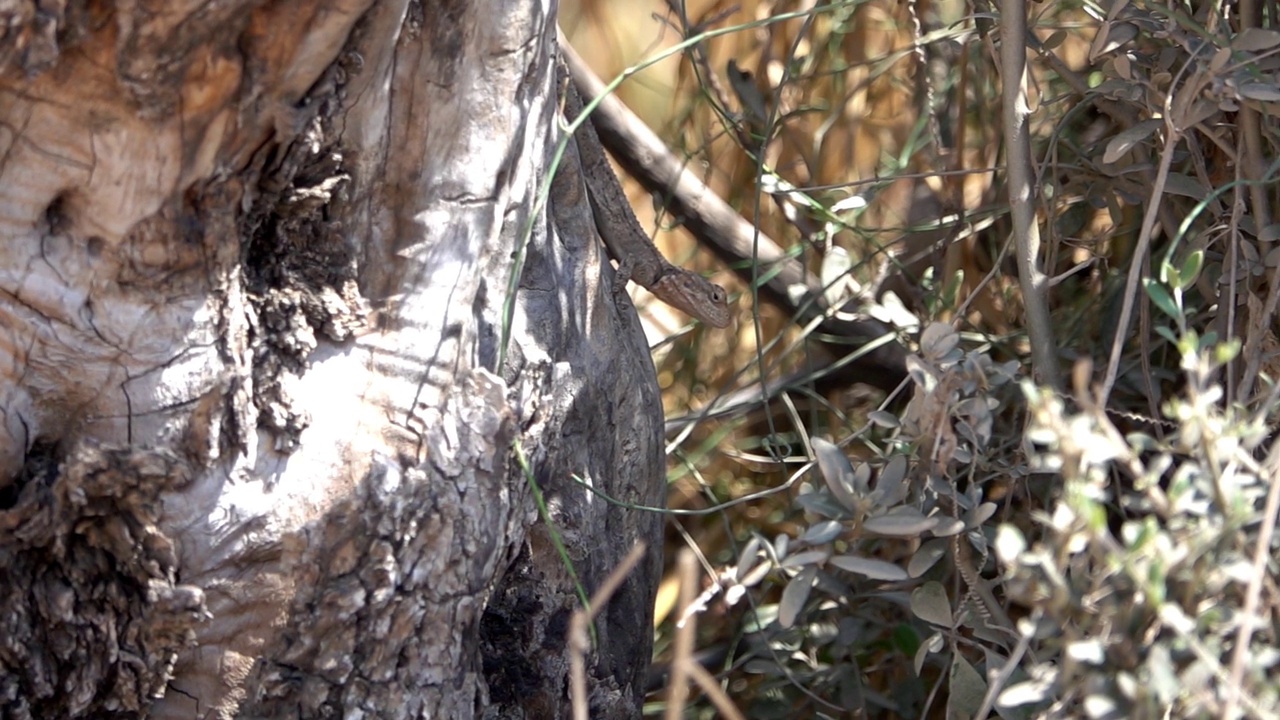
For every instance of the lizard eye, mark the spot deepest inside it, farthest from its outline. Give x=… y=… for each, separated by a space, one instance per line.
x=718 y=294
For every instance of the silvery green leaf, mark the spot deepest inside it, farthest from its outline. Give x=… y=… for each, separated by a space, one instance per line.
x=891 y=310
x=884 y=419
x=758 y=621
x=948 y=526
x=747 y=558
x=921 y=373
x=978 y=412
x=1184 y=185
x=1201 y=110
x=1272 y=258
x=803 y=559
x=890 y=488
x=977 y=540
x=1251 y=253
x=968 y=688
x=836 y=471
x=945 y=488
x=754 y=577
x=1025 y=693
x=938 y=339
x=795 y=595
x=862 y=479
x=1255 y=40
x=853 y=202
x=1266 y=92
x=975 y=517
x=930 y=603
x=934 y=643
x=1124 y=141
x=835 y=268
x=927 y=556
x=823 y=532
x=822 y=504
x=903 y=522
x=1219 y=61
x=1055 y=39
x=874 y=569
x=781 y=545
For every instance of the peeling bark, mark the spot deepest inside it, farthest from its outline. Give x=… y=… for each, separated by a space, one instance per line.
x=256 y=450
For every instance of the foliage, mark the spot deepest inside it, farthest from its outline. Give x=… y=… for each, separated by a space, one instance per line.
x=982 y=544
x=1145 y=575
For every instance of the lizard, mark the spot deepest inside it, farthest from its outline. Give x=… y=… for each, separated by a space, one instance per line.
x=638 y=259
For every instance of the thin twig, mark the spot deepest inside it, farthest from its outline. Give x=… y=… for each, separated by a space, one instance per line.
x=1139 y=262
x=1026 y=233
x=682 y=648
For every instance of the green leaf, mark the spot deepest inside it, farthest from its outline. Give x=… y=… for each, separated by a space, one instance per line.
x=951 y=291
x=930 y=603
x=933 y=644
x=967 y=689
x=795 y=595
x=884 y=419
x=979 y=515
x=837 y=472
x=747 y=558
x=1161 y=298
x=901 y=522
x=1256 y=40
x=1168 y=273
x=869 y=567
x=822 y=532
x=1188 y=344
x=1227 y=351
x=938 y=339
x=1055 y=39
x=906 y=639
x=1124 y=141
x=1027 y=692
x=927 y=556
x=806 y=558
x=890 y=486
x=1191 y=269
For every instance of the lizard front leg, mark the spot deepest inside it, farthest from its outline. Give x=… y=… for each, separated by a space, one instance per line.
x=621 y=277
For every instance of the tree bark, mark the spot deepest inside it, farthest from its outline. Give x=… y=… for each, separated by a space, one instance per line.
x=258 y=455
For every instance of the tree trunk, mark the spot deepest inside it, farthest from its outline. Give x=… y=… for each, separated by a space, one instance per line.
x=264 y=395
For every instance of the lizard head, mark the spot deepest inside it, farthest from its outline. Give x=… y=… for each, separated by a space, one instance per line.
x=695 y=295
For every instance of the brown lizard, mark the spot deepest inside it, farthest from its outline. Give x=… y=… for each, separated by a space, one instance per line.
x=626 y=241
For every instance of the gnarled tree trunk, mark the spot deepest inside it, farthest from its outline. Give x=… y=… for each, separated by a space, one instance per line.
x=267 y=375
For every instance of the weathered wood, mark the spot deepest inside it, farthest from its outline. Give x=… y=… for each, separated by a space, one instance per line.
x=256 y=457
